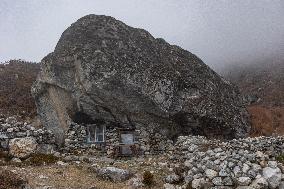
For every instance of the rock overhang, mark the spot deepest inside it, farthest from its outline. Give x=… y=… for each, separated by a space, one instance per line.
x=108 y=70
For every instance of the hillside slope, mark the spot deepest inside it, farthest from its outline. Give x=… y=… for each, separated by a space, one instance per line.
x=262 y=82
x=263 y=85
x=16 y=78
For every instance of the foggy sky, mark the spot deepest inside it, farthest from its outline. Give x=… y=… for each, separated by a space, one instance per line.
x=218 y=31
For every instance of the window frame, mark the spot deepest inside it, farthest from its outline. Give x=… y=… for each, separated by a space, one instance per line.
x=95 y=134
x=127 y=131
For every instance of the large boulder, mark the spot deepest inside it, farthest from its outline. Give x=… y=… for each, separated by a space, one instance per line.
x=22 y=147
x=104 y=70
x=113 y=174
x=272 y=174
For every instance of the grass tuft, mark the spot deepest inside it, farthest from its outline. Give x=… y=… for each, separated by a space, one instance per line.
x=148 y=178
x=42 y=159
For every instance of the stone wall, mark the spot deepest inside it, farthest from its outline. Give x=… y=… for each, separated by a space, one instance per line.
x=10 y=128
x=249 y=163
x=147 y=140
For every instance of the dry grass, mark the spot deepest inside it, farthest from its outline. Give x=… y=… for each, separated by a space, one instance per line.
x=81 y=176
x=42 y=159
x=10 y=180
x=263 y=79
x=266 y=121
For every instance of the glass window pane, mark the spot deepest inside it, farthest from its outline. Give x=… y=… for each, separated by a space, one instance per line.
x=127 y=138
x=100 y=138
x=91 y=133
x=100 y=133
x=100 y=129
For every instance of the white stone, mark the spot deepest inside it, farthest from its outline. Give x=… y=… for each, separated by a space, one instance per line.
x=237 y=171
x=244 y=187
x=210 y=173
x=244 y=181
x=272 y=164
x=217 y=181
x=245 y=168
x=259 y=183
x=259 y=154
x=281 y=186
x=188 y=164
x=16 y=160
x=273 y=176
x=61 y=163
x=169 y=186
x=172 y=179
x=42 y=177
x=198 y=183
x=136 y=183
x=114 y=174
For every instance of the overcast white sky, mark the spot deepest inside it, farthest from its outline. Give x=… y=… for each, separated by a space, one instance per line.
x=218 y=31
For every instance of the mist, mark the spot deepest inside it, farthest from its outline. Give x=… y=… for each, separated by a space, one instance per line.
x=220 y=32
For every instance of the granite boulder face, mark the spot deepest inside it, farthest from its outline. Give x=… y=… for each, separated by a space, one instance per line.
x=105 y=71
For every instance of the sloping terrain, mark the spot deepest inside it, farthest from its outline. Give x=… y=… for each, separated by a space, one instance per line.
x=262 y=84
x=263 y=81
x=16 y=78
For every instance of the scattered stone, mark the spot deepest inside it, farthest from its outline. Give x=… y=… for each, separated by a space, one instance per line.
x=244 y=181
x=227 y=181
x=61 y=163
x=16 y=160
x=211 y=173
x=169 y=186
x=136 y=182
x=113 y=174
x=217 y=181
x=198 y=183
x=172 y=179
x=281 y=186
x=259 y=183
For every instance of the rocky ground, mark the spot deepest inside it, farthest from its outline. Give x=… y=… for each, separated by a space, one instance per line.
x=79 y=174
x=192 y=162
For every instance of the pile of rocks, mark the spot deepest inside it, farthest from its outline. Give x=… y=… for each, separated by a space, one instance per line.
x=243 y=163
x=19 y=136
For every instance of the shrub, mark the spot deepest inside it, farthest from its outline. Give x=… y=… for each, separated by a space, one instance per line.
x=11 y=180
x=280 y=158
x=41 y=159
x=16 y=78
x=188 y=186
x=4 y=155
x=148 y=178
x=266 y=120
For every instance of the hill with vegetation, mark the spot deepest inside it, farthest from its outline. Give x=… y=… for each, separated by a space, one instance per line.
x=262 y=85
x=16 y=78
